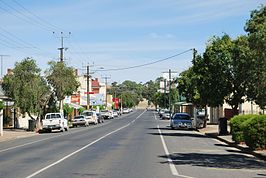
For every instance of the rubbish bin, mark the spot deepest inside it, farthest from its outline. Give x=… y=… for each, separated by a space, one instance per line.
x=223 y=126
x=31 y=125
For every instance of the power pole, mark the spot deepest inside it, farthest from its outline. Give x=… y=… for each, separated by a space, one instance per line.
x=62 y=48
x=106 y=78
x=170 y=84
x=88 y=85
x=2 y=56
x=164 y=93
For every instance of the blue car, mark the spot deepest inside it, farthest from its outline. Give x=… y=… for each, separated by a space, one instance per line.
x=181 y=121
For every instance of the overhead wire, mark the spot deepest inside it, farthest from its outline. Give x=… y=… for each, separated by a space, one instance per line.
x=146 y=64
x=33 y=19
x=38 y=17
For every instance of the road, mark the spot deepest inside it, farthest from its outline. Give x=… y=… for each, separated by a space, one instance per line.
x=137 y=145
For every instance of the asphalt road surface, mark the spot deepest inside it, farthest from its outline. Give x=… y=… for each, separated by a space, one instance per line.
x=136 y=145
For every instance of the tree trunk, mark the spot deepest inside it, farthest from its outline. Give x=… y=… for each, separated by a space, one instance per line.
x=205 y=118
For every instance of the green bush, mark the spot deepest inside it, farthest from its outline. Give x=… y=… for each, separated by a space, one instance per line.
x=236 y=124
x=255 y=132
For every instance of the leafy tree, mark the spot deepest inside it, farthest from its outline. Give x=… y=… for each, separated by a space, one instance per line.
x=130 y=92
x=256 y=29
x=213 y=70
x=62 y=79
x=80 y=110
x=238 y=75
x=1 y=105
x=149 y=90
x=68 y=110
x=29 y=90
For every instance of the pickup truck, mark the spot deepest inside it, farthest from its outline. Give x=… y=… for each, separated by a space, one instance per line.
x=55 y=121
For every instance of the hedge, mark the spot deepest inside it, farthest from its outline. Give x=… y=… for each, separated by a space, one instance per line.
x=236 y=124
x=255 y=132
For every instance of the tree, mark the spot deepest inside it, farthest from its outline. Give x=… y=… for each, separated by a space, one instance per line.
x=28 y=89
x=67 y=111
x=256 y=29
x=130 y=92
x=149 y=90
x=239 y=72
x=212 y=70
x=62 y=79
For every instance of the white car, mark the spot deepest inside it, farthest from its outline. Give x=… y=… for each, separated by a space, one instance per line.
x=90 y=116
x=55 y=121
x=80 y=120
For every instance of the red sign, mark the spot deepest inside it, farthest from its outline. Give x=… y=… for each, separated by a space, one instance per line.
x=91 y=92
x=116 y=101
x=75 y=99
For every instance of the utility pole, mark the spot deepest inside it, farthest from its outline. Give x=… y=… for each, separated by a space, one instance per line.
x=170 y=84
x=62 y=48
x=164 y=93
x=106 y=78
x=2 y=56
x=88 y=85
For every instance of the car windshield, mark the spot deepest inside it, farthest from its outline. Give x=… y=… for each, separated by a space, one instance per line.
x=181 y=117
x=87 y=113
x=53 y=116
x=78 y=117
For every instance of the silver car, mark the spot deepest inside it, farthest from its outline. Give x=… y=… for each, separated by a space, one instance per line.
x=181 y=121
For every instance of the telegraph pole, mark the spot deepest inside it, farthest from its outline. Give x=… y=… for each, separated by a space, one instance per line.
x=170 y=84
x=62 y=48
x=88 y=85
x=106 y=78
x=2 y=56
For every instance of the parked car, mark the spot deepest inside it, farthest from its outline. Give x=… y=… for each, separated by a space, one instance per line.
x=166 y=114
x=55 y=121
x=115 y=113
x=107 y=114
x=161 y=112
x=118 y=111
x=80 y=120
x=100 y=118
x=90 y=116
x=125 y=111
x=181 y=120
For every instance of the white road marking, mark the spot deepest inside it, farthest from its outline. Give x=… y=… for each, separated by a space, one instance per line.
x=29 y=143
x=170 y=161
x=79 y=150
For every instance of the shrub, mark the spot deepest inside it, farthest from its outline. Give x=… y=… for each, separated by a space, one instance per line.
x=236 y=124
x=255 y=132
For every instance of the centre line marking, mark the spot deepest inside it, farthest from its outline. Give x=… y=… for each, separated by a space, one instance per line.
x=79 y=150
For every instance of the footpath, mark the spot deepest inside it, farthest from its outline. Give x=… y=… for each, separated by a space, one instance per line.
x=11 y=134
x=213 y=132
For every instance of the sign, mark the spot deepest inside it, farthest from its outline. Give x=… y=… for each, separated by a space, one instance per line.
x=75 y=99
x=116 y=101
x=90 y=93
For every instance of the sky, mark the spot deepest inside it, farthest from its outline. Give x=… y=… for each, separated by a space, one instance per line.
x=117 y=34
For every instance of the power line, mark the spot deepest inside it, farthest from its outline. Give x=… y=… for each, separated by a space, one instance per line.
x=22 y=16
x=147 y=64
x=15 y=37
x=37 y=17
